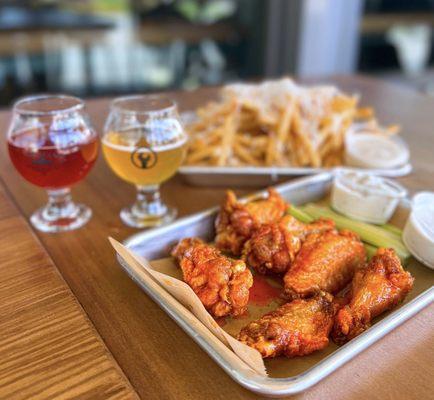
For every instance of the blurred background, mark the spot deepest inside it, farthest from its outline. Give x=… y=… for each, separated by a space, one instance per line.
x=108 y=47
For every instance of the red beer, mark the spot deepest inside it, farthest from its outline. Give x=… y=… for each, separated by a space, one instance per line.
x=52 y=145
x=53 y=159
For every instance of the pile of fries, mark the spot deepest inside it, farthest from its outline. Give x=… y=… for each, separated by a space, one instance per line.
x=276 y=123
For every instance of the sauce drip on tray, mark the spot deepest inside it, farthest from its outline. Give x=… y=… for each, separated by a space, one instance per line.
x=263 y=292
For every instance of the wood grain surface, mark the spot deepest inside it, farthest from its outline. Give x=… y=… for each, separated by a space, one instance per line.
x=158 y=358
x=48 y=347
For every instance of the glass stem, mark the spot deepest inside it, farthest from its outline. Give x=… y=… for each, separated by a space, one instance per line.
x=148 y=201
x=60 y=205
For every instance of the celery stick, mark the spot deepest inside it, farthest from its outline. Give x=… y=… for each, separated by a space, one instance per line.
x=300 y=215
x=392 y=228
x=371 y=234
x=388 y=227
x=370 y=250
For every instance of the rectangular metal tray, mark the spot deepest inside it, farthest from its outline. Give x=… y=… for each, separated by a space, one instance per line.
x=155 y=244
x=263 y=176
x=252 y=176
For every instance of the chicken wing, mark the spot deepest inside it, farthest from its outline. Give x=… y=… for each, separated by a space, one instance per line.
x=375 y=289
x=221 y=283
x=294 y=329
x=273 y=247
x=236 y=221
x=326 y=261
x=302 y=230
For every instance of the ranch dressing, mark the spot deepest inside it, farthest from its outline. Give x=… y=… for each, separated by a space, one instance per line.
x=365 y=197
x=418 y=234
x=370 y=150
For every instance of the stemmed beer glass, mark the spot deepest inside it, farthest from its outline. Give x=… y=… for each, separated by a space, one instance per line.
x=144 y=144
x=52 y=145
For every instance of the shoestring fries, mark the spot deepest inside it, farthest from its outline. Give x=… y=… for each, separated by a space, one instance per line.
x=277 y=123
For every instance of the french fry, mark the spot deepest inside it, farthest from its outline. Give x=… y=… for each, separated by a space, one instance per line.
x=276 y=146
x=245 y=155
x=270 y=151
x=364 y=113
x=250 y=140
x=285 y=121
x=228 y=131
x=392 y=129
x=200 y=155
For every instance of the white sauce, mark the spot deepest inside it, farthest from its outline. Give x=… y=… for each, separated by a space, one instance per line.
x=425 y=216
x=369 y=150
x=418 y=234
x=365 y=185
x=365 y=197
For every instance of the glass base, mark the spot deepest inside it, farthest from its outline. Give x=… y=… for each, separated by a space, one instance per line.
x=131 y=217
x=77 y=216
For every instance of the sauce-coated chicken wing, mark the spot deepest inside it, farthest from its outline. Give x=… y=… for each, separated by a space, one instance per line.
x=221 y=283
x=273 y=247
x=375 y=289
x=294 y=329
x=236 y=221
x=326 y=261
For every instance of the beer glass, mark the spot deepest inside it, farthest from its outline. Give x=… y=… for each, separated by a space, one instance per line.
x=144 y=143
x=52 y=145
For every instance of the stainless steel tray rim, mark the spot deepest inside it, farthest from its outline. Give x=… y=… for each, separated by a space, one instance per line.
x=132 y=240
x=290 y=171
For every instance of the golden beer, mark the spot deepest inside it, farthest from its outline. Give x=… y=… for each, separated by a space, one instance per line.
x=144 y=144
x=140 y=163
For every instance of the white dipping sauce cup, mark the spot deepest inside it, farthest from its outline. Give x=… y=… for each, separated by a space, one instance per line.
x=418 y=234
x=365 y=197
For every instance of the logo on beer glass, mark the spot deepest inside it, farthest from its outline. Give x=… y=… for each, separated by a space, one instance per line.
x=143 y=157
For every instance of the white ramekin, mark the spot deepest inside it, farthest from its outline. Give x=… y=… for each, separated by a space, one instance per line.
x=370 y=150
x=418 y=234
x=365 y=203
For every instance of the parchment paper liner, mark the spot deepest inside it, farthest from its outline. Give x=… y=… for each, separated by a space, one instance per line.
x=185 y=295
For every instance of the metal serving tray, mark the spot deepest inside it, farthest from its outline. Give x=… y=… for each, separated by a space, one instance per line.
x=155 y=244
x=262 y=176
x=251 y=176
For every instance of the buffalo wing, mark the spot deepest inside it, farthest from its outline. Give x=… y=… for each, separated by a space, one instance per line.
x=221 y=283
x=236 y=221
x=294 y=329
x=379 y=287
x=273 y=247
x=326 y=261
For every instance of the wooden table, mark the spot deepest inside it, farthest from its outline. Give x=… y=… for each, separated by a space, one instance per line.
x=157 y=359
